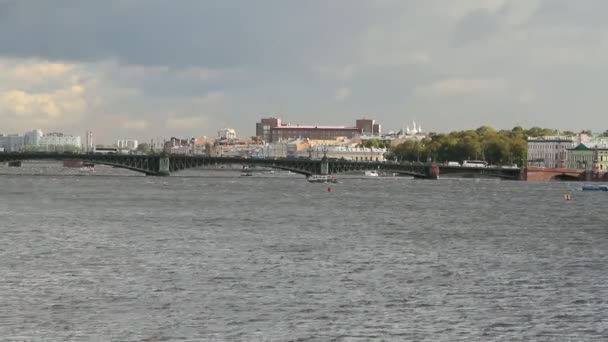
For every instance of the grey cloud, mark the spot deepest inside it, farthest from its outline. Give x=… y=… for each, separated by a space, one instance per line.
x=224 y=33
x=290 y=57
x=567 y=13
x=476 y=25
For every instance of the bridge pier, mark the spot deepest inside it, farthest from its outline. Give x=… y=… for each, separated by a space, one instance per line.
x=324 y=166
x=163 y=166
x=432 y=171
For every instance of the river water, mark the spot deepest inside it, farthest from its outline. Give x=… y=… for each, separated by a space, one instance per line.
x=211 y=256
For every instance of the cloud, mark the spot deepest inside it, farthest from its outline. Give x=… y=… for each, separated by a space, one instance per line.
x=160 y=67
x=476 y=25
x=61 y=104
x=134 y=124
x=189 y=123
x=341 y=73
x=342 y=94
x=463 y=86
x=526 y=96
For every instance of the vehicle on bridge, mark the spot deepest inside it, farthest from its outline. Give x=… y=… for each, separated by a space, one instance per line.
x=475 y=163
x=105 y=150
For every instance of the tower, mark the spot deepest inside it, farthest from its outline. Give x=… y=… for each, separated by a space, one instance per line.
x=89 y=142
x=596 y=162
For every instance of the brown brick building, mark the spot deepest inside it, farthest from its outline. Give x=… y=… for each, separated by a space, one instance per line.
x=273 y=130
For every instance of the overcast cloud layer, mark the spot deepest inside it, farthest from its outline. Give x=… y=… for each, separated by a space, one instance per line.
x=152 y=69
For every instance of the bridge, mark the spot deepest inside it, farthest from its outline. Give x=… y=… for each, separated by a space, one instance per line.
x=536 y=173
x=165 y=164
x=486 y=172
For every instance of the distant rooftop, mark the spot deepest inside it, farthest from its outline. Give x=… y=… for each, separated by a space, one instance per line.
x=312 y=127
x=554 y=138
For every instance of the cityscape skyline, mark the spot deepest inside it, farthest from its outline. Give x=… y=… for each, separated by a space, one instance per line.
x=451 y=66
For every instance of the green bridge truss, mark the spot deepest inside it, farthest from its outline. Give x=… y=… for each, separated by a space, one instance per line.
x=164 y=165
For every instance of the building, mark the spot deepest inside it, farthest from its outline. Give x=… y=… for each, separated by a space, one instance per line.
x=273 y=130
x=549 y=151
x=33 y=138
x=127 y=144
x=59 y=139
x=416 y=129
x=585 y=157
x=317 y=149
x=227 y=134
x=262 y=128
x=12 y=142
x=179 y=146
x=286 y=132
x=89 y=147
x=36 y=138
x=368 y=127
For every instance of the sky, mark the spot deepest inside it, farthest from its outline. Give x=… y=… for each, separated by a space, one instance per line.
x=151 y=69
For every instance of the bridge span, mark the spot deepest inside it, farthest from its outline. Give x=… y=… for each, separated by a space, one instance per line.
x=166 y=164
x=536 y=173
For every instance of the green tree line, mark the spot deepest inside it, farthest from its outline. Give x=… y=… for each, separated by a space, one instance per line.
x=497 y=147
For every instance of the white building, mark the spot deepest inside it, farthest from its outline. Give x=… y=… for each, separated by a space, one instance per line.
x=549 y=151
x=33 y=138
x=127 y=144
x=308 y=149
x=416 y=129
x=226 y=133
x=11 y=142
x=51 y=140
x=345 y=152
x=89 y=147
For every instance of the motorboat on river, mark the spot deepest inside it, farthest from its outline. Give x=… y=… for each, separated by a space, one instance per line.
x=372 y=173
x=592 y=187
x=322 y=179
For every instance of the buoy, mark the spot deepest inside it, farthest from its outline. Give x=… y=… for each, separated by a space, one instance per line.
x=329 y=188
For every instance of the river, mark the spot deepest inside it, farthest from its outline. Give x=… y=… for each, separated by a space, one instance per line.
x=211 y=256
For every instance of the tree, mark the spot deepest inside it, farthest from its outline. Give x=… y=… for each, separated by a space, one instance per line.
x=143 y=147
x=605 y=134
x=539 y=132
x=485 y=143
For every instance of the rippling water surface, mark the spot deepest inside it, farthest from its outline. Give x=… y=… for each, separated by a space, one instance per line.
x=211 y=256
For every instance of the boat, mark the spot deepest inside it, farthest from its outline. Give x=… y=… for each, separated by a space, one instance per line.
x=591 y=187
x=87 y=169
x=372 y=173
x=246 y=174
x=322 y=179
x=280 y=172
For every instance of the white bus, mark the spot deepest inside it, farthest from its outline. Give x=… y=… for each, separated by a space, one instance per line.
x=474 y=163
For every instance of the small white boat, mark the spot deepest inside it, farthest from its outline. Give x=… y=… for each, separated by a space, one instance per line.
x=372 y=173
x=246 y=174
x=322 y=179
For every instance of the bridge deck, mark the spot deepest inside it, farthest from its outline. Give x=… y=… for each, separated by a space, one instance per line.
x=163 y=165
